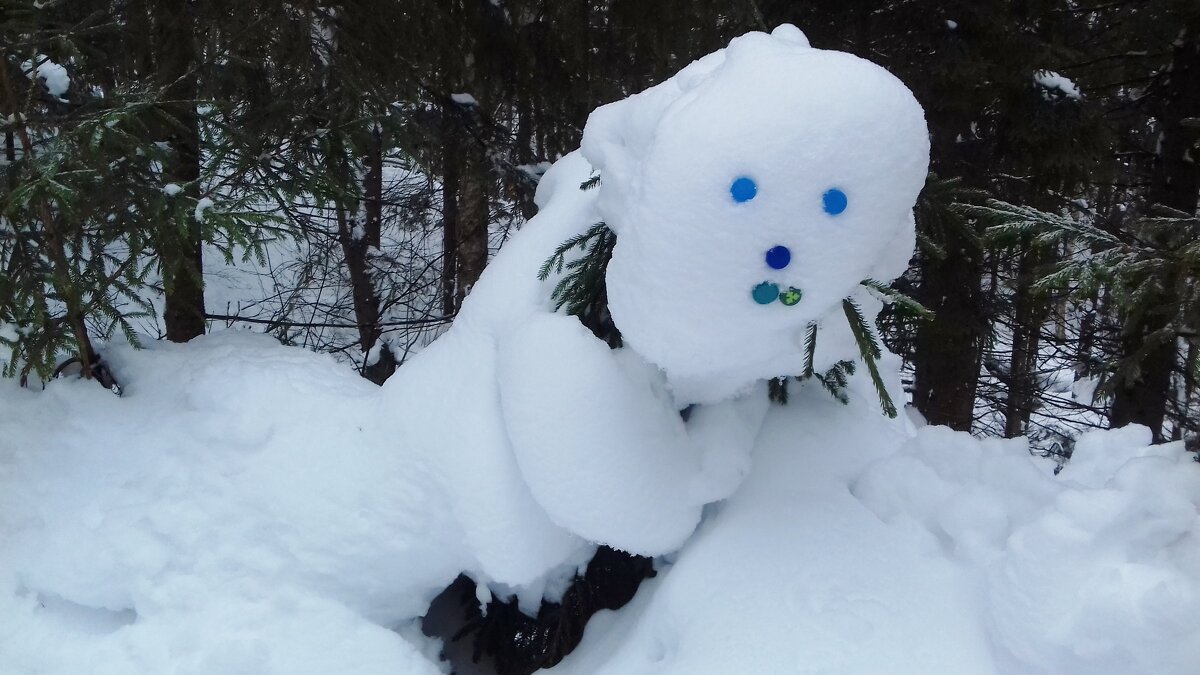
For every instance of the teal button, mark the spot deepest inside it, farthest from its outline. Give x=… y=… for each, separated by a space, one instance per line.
x=765 y=293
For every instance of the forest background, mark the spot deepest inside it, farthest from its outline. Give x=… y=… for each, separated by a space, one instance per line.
x=338 y=174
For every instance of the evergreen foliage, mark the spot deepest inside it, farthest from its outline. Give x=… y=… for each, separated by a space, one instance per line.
x=394 y=144
x=869 y=351
x=581 y=287
x=1159 y=256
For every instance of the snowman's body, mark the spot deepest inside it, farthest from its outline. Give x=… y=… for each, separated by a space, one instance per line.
x=750 y=194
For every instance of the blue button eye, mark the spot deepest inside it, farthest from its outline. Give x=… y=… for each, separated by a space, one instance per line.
x=778 y=257
x=743 y=190
x=835 y=201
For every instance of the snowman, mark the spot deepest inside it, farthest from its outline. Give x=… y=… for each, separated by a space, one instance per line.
x=750 y=195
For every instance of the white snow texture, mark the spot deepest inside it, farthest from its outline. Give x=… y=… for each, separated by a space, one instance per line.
x=248 y=508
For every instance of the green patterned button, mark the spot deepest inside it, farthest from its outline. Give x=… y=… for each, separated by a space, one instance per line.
x=791 y=296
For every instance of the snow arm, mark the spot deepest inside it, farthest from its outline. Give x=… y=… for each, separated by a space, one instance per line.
x=605 y=454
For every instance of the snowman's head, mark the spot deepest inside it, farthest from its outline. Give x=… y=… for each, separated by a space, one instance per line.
x=750 y=194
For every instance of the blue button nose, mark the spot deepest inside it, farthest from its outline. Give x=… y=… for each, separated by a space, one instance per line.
x=779 y=257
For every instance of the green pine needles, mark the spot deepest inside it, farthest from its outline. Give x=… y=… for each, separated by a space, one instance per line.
x=593 y=182
x=1148 y=270
x=836 y=379
x=905 y=305
x=869 y=352
x=582 y=284
x=582 y=262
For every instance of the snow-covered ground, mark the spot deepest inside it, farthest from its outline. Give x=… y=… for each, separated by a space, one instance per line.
x=857 y=546
x=233 y=514
x=224 y=517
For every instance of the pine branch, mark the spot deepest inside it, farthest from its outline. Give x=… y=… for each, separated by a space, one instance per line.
x=868 y=348
x=836 y=379
x=903 y=302
x=810 y=349
x=583 y=281
x=555 y=263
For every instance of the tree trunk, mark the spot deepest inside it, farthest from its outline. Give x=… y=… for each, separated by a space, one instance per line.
x=373 y=189
x=370 y=322
x=1143 y=398
x=357 y=228
x=473 y=217
x=946 y=354
x=450 y=160
x=1029 y=312
x=1185 y=424
x=948 y=349
x=180 y=252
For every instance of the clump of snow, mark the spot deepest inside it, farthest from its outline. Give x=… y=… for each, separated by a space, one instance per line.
x=598 y=441
x=202 y=205
x=375 y=352
x=534 y=171
x=1095 y=570
x=172 y=189
x=1051 y=81
x=52 y=74
x=787 y=124
x=464 y=99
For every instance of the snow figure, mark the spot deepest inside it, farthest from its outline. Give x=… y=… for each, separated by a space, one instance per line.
x=750 y=195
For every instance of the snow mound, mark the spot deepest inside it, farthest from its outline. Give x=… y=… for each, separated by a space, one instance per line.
x=859 y=545
x=1095 y=570
x=228 y=515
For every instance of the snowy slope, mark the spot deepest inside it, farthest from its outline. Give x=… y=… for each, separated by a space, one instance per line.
x=233 y=514
x=795 y=575
x=227 y=516
x=856 y=547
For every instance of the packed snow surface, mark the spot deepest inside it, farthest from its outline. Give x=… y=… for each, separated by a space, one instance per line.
x=252 y=508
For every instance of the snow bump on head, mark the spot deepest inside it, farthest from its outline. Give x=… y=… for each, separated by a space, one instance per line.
x=750 y=193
